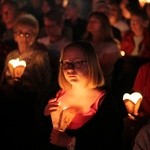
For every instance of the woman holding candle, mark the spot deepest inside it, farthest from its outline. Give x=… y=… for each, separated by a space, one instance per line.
x=25 y=87
x=97 y=123
x=135 y=121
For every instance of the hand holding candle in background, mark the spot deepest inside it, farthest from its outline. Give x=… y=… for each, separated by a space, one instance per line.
x=25 y=83
x=132 y=102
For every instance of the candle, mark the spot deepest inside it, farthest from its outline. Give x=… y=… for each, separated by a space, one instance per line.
x=16 y=67
x=62 y=117
x=134 y=97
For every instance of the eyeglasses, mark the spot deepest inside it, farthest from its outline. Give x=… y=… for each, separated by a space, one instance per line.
x=72 y=65
x=26 y=34
x=134 y=22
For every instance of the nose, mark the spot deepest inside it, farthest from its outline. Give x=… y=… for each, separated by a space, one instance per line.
x=71 y=66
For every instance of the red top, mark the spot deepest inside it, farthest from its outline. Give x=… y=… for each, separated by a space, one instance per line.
x=127 y=44
x=142 y=85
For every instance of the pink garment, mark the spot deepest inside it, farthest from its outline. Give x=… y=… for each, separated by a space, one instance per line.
x=81 y=119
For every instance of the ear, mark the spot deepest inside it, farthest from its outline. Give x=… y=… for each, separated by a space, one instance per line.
x=15 y=38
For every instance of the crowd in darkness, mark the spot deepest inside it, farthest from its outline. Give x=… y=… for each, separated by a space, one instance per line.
x=37 y=31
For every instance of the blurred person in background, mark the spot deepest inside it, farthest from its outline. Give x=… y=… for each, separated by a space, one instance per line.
x=99 y=33
x=46 y=6
x=9 y=12
x=116 y=18
x=139 y=113
x=102 y=6
x=25 y=89
x=74 y=20
x=56 y=37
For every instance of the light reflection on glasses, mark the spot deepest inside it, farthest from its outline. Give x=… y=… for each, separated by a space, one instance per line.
x=72 y=65
x=134 y=22
x=24 y=34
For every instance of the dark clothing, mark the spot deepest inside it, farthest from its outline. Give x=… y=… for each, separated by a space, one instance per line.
x=23 y=125
x=116 y=33
x=78 y=28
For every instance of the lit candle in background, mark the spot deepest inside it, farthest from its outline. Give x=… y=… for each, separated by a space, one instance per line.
x=143 y=2
x=132 y=102
x=16 y=67
x=134 y=97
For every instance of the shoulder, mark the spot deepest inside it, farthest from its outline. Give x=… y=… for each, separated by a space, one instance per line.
x=12 y=54
x=40 y=55
x=146 y=129
x=146 y=66
x=142 y=138
x=109 y=104
x=144 y=69
x=108 y=98
x=44 y=40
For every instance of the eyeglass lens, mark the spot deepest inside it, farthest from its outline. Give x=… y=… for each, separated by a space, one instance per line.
x=72 y=65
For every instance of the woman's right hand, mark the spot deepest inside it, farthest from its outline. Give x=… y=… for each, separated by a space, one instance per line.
x=52 y=105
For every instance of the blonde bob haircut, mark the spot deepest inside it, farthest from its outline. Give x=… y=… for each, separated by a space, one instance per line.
x=27 y=20
x=95 y=74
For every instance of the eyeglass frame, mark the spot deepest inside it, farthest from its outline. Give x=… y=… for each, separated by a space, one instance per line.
x=72 y=65
x=24 y=34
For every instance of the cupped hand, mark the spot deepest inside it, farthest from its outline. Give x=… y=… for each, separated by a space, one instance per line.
x=52 y=105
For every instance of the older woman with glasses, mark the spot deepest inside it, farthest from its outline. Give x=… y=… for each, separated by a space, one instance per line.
x=25 y=84
x=136 y=41
x=83 y=114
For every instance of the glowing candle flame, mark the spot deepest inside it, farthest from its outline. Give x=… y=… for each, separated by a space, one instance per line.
x=143 y=2
x=134 y=97
x=16 y=62
x=16 y=67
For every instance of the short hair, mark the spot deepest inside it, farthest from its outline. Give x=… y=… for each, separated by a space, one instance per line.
x=51 y=3
x=55 y=15
x=140 y=13
x=95 y=74
x=105 y=24
x=27 y=20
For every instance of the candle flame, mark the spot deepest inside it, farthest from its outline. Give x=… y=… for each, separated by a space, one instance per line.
x=134 y=97
x=16 y=62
